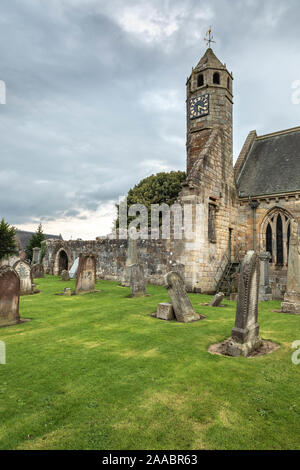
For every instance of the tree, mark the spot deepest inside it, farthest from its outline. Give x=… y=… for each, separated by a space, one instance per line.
x=156 y=189
x=8 y=242
x=35 y=241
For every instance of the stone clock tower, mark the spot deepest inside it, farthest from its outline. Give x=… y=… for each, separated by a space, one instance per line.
x=210 y=186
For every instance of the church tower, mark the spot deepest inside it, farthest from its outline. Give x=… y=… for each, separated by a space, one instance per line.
x=210 y=187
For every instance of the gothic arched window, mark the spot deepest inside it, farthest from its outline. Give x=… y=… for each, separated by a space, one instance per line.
x=200 y=80
x=288 y=239
x=216 y=78
x=275 y=233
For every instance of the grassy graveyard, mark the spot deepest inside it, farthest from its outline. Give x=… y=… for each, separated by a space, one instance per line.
x=96 y=371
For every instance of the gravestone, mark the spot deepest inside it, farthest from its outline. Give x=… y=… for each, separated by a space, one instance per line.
x=137 y=280
x=37 y=271
x=9 y=296
x=244 y=338
x=265 y=291
x=36 y=255
x=182 y=306
x=22 y=255
x=24 y=272
x=74 y=268
x=67 y=291
x=65 y=275
x=86 y=274
x=131 y=258
x=216 y=301
x=165 y=311
x=291 y=301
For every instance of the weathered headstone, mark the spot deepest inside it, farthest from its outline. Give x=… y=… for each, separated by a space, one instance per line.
x=65 y=275
x=165 y=311
x=131 y=258
x=37 y=271
x=67 y=291
x=244 y=337
x=291 y=301
x=24 y=272
x=36 y=255
x=86 y=274
x=182 y=306
x=216 y=301
x=9 y=296
x=265 y=291
x=22 y=255
x=137 y=280
x=74 y=268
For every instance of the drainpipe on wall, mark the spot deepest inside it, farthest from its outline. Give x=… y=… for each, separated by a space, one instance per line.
x=254 y=205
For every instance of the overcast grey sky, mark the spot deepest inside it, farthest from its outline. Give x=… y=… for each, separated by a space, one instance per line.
x=96 y=95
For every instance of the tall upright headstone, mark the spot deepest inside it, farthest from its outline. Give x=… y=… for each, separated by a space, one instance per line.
x=36 y=255
x=137 y=280
x=24 y=272
x=265 y=291
x=131 y=258
x=86 y=274
x=182 y=306
x=9 y=296
x=291 y=301
x=244 y=337
x=74 y=268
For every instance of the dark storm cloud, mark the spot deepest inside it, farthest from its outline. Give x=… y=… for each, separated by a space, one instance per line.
x=96 y=91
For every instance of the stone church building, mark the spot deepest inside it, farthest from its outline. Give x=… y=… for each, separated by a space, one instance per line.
x=244 y=206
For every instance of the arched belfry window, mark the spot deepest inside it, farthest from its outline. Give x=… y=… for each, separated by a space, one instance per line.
x=200 y=80
x=216 y=78
x=275 y=234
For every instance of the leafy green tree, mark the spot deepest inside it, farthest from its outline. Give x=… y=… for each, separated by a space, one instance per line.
x=35 y=241
x=156 y=189
x=8 y=242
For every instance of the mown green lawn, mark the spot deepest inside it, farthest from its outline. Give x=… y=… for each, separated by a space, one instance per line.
x=98 y=372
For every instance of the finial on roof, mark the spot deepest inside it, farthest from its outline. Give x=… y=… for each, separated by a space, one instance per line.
x=209 y=37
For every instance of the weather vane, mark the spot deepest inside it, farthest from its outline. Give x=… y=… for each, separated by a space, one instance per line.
x=209 y=37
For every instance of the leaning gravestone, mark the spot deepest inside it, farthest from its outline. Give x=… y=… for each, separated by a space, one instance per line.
x=244 y=338
x=24 y=272
x=9 y=296
x=131 y=258
x=36 y=255
x=65 y=275
x=37 y=271
x=182 y=306
x=74 y=268
x=137 y=280
x=291 y=301
x=216 y=301
x=265 y=291
x=86 y=274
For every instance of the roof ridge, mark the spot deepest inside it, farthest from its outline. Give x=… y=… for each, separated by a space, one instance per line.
x=274 y=134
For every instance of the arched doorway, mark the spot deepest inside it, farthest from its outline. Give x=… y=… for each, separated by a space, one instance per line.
x=63 y=262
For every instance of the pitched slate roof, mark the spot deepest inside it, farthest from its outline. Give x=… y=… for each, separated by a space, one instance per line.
x=24 y=237
x=272 y=165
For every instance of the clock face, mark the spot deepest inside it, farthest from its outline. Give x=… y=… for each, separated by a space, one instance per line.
x=199 y=106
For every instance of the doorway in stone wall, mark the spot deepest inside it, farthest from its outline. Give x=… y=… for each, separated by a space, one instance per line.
x=63 y=262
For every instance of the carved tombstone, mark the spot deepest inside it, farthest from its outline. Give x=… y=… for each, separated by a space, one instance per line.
x=182 y=306
x=86 y=274
x=65 y=275
x=265 y=291
x=37 y=271
x=24 y=272
x=131 y=258
x=216 y=301
x=9 y=296
x=137 y=280
x=36 y=255
x=291 y=301
x=165 y=311
x=244 y=337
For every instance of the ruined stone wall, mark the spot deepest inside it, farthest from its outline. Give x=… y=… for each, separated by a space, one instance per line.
x=157 y=256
